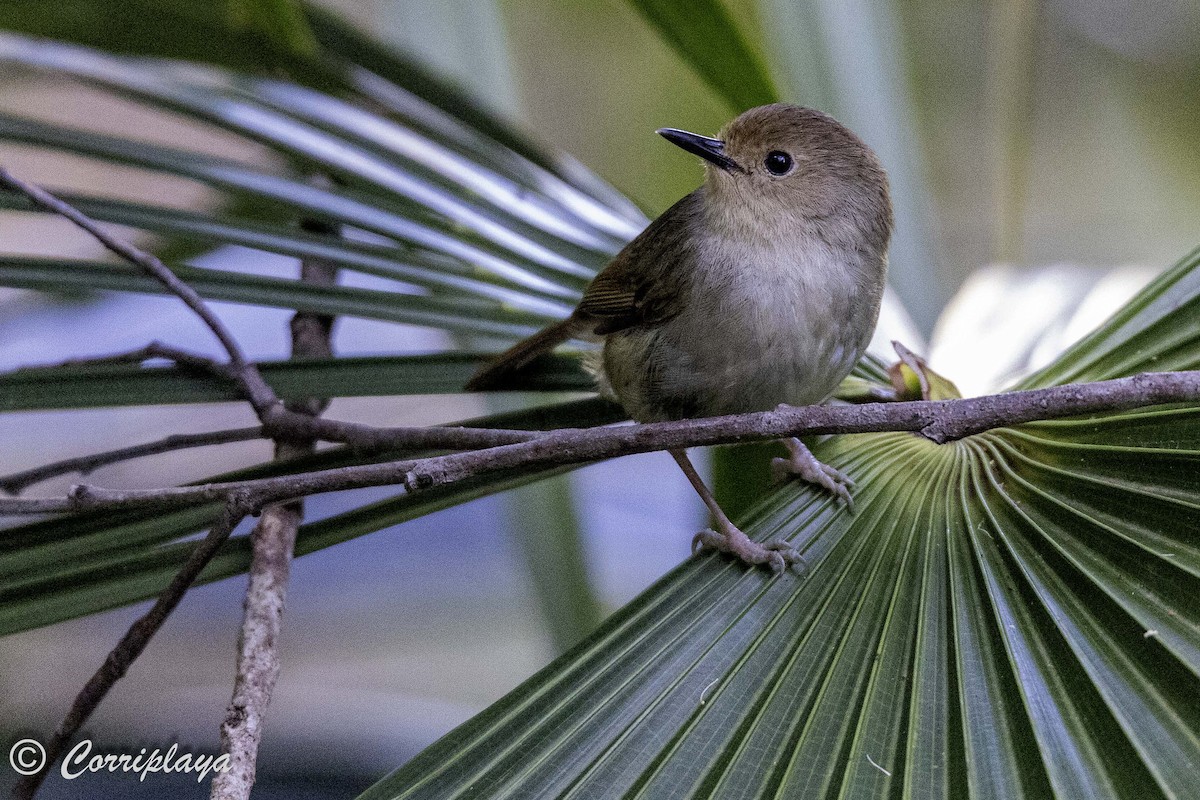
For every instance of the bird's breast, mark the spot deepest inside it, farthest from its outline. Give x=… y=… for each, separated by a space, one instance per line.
x=759 y=327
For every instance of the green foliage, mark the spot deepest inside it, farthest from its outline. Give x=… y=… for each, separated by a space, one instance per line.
x=1010 y=615
x=705 y=36
x=1013 y=614
x=280 y=21
x=457 y=314
x=101 y=385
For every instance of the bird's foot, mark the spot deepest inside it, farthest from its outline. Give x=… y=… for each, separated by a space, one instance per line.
x=776 y=555
x=802 y=464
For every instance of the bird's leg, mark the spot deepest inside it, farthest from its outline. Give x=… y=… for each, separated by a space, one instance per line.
x=727 y=537
x=804 y=465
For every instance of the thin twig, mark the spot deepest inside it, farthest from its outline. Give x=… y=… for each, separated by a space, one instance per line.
x=273 y=542
x=183 y=358
x=938 y=420
x=134 y=642
x=369 y=438
x=257 y=391
x=257 y=670
x=17 y=482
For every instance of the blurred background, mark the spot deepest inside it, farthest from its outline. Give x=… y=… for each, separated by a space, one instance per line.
x=1046 y=162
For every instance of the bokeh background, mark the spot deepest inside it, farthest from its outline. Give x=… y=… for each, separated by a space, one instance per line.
x=1046 y=160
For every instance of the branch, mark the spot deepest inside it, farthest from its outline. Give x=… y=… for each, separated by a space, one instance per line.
x=17 y=482
x=360 y=437
x=257 y=391
x=938 y=420
x=369 y=438
x=134 y=642
x=273 y=540
x=183 y=358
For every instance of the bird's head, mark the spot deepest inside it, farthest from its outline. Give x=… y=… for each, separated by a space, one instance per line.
x=785 y=166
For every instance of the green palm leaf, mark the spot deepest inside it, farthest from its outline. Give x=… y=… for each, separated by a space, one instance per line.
x=442 y=273
x=105 y=385
x=705 y=36
x=526 y=263
x=1013 y=614
x=456 y=314
x=345 y=64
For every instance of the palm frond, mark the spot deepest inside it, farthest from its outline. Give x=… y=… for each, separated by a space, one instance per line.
x=1012 y=614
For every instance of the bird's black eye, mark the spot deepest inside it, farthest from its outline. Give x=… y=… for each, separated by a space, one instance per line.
x=778 y=162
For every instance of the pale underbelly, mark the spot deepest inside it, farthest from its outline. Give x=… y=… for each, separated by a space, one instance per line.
x=693 y=367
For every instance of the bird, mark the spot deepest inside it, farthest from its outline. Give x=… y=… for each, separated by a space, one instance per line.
x=760 y=288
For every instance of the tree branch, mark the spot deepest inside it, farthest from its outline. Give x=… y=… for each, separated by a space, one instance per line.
x=369 y=438
x=364 y=438
x=134 y=642
x=273 y=540
x=183 y=358
x=17 y=482
x=938 y=420
x=257 y=391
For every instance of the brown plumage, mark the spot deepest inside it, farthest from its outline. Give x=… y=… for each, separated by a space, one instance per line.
x=632 y=290
x=759 y=288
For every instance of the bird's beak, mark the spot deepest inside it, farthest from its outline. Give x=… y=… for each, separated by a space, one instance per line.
x=711 y=150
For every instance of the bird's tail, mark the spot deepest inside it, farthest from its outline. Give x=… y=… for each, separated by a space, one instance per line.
x=498 y=373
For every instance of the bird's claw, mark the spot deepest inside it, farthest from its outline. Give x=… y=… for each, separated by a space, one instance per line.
x=804 y=465
x=777 y=555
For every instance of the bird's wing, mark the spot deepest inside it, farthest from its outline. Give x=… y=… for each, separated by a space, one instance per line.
x=641 y=285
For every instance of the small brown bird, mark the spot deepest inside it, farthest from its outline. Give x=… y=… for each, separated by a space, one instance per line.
x=759 y=288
